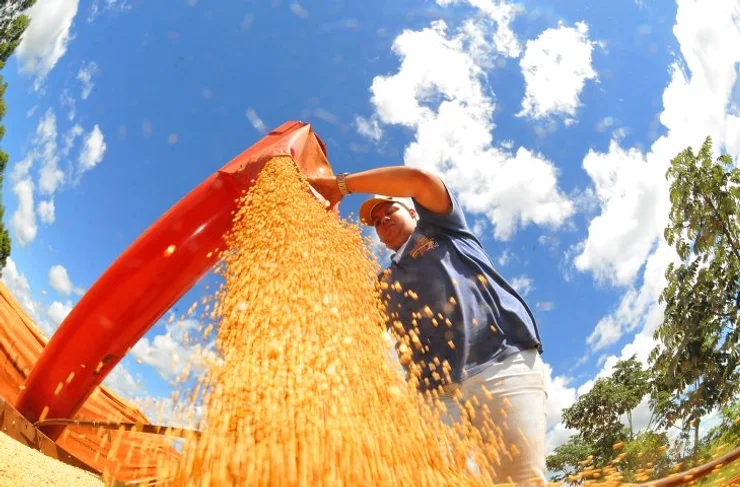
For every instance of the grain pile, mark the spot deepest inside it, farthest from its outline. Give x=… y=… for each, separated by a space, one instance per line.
x=24 y=466
x=305 y=394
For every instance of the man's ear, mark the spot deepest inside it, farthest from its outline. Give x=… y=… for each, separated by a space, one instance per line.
x=413 y=213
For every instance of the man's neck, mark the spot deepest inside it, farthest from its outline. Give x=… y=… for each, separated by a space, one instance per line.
x=399 y=253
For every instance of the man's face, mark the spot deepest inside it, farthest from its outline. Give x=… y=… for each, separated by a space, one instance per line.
x=394 y=223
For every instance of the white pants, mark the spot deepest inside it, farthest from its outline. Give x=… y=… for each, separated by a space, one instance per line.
x=514 y=392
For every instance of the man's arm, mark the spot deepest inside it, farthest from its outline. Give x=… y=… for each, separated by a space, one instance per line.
x=399 y=181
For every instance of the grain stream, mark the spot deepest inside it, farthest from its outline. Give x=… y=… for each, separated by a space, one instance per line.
x=305 y=393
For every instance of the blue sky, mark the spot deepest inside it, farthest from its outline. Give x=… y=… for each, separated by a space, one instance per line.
x=554 y=123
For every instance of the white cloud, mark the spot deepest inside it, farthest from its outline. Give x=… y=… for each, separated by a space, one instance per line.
x=589 y=384
x=21 y=168
x=44 y=150
x=46 y=212
x=85 y=75
x=69 y=103
x=147 y=128
x=247 y=22
x=58 y=311
x=523 y=285
x=637 y=308
x=640 y=347
x=298 y=10
x=120 y=381
x=70 y=137
x=556 y=436
x=548 y=240
x=545 y=305
x=50 y=176
x=641 y=415
x=431 y=64
x=59 y=280
x=556 y=66
x=98 y=7
x=607 y=332
x=632 y=193
x=45 y=41
x=560 y=395
x=93 y=150
x=256 y=121
x=627 y=183
x=505 y=257
x=630 y=185
x=647 y=313
x=479 y=226
x=170 y=353
x=502 y=13
x=17 y=284
x=368 y=128
x=23 y=221
x=166 y=412
x=709 y=421
x=453 y=136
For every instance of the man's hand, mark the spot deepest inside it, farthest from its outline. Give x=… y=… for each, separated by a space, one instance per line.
x=327 y=187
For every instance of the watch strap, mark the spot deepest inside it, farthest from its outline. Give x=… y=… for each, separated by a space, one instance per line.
x=342 y=183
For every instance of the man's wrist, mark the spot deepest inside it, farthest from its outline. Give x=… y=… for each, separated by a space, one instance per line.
x=342 y=183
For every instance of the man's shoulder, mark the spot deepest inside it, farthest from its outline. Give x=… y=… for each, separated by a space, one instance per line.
x=444 y=234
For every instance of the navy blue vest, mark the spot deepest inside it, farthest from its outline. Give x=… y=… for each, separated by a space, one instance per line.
x=443 y=291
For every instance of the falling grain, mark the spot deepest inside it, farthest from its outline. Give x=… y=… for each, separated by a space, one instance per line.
x=305 y=394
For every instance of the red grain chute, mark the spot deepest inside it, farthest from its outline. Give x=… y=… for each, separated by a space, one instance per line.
x=150 y=276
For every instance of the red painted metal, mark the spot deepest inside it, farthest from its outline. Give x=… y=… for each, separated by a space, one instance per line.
x=150 y=276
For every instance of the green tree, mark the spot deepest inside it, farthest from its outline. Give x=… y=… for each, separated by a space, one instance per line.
x=567 y=460
x=642 y=458
x=645 y=457
x=596 y=414
x=695 y=365
x=596 y=417
x=13 y=23
x=632 y=383
x=726 y=435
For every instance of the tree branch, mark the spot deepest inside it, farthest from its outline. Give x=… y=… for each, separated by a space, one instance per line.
x=726 y=231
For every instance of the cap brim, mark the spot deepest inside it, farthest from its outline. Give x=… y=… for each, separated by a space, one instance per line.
x=366 y=209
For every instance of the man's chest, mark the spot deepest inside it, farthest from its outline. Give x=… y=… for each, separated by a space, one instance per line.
x=421 y=276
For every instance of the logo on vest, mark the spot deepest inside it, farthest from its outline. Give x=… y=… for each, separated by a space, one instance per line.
x=422 y=246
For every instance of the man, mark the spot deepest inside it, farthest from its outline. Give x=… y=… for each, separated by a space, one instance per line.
x=468 y=332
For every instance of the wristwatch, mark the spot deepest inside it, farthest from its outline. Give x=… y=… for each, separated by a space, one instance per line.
x=342 y=183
